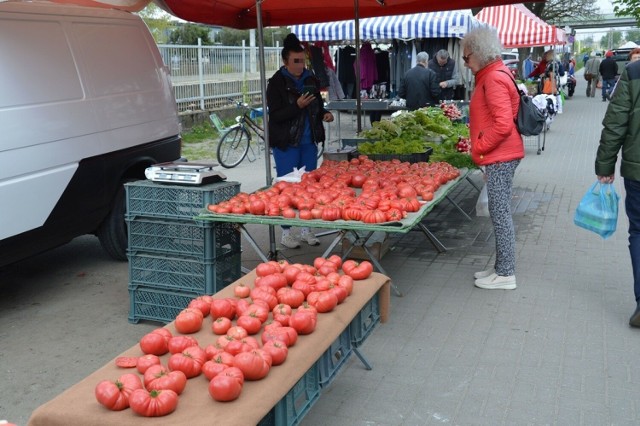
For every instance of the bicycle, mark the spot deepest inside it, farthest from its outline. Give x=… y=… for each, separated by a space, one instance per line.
x=236 y=141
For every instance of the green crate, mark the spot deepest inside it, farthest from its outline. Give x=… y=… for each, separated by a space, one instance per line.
x=156 y=305
x=365 y=321
x=147 y=198
x=335 y=358
x=205 y=240
x=184 y=274
x=290 y=410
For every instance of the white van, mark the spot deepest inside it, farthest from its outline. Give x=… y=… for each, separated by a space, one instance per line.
x=86 y=105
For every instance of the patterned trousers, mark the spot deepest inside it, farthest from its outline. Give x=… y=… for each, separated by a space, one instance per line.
x=499 y=191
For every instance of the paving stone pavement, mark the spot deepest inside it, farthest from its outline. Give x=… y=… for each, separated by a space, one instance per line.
x=556 y=351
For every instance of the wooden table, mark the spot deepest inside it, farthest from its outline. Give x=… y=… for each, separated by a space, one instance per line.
x=78 y=406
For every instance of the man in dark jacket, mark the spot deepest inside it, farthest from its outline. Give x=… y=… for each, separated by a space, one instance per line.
x=447 y=72
x=622 y=131
x=609 y=70
x=419 y=86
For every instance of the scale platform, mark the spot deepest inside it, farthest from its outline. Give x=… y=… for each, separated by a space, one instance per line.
x=179 y=172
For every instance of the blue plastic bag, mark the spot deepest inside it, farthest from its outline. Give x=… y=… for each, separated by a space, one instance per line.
x=598 y=210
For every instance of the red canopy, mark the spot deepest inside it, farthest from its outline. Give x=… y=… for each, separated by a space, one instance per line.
x=242 y=13
x=519 y=27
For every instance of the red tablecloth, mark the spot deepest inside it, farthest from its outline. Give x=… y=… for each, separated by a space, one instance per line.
x=78 y=406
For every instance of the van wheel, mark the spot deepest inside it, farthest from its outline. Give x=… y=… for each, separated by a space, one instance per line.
x=112 y=232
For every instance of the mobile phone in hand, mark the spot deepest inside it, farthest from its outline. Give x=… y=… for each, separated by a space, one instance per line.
x=309 y=89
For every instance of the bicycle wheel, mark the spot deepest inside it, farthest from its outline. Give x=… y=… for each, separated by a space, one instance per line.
x=233 y=147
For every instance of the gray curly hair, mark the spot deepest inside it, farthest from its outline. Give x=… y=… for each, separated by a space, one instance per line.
x=484 y=43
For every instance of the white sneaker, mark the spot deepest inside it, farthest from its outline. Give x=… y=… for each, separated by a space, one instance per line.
x=484 y=274
x=309 y=238
x=289 y=241
x=497 y=282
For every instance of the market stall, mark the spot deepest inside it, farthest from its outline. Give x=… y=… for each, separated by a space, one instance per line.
x=519 y=27
x=77 y=406
x=405 y=34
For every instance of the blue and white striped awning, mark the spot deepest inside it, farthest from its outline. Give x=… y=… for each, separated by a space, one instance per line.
x=418 y=25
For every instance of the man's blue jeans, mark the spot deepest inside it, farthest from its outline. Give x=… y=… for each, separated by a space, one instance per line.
x=632 y=207
x=607 y=87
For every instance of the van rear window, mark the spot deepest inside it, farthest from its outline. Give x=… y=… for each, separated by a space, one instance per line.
x=37 y=66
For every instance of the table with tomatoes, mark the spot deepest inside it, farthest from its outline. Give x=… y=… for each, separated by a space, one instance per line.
x=172 y=391
x=357 y=197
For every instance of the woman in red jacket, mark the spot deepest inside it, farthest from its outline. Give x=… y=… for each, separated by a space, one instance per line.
x=496 y=145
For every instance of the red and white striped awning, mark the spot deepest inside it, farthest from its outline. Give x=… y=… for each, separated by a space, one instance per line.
x=519 y=27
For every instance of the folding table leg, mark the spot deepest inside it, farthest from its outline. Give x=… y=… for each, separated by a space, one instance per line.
x=362 y=358
x=272 y=255
x=458 y=207
x=432 y=238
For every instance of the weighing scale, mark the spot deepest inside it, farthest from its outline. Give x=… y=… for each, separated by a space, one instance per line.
x=184 y=173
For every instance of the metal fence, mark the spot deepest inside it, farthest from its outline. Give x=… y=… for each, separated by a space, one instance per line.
x=205 y=77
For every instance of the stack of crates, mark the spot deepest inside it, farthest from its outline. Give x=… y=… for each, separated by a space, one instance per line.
x=172 y=257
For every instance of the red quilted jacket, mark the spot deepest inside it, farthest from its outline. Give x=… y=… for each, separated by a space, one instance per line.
x=494 y=105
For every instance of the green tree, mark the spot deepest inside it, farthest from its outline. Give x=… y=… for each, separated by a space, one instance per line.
x=627 y=8
x=633 y=35
x=158 y=21
x=271 y=35
x=188 y=34
x=611 y=40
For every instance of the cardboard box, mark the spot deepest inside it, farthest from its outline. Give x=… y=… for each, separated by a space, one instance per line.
x=378 y=249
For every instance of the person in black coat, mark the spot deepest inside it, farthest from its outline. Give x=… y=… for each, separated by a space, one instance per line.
x=447 y=72
x=296 y=117
x=419 y=86
x=609 y=72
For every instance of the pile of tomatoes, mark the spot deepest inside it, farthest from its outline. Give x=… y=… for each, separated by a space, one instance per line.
x=283 y=303
x=387 y=191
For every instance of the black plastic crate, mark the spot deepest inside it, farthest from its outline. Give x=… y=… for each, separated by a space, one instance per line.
x=184 y=274
x=419 y=157
x=365 y=321
x=147 y=198
x=156 y=305
x=205 y=240
x=335 y=357
x=290 y=410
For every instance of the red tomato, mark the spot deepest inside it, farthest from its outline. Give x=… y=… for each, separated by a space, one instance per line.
x=427 y=195
x=289 y=213
x=224 y=388
x=290 y=296
x=357 y=270
x=126 y=361
x=339 y=292
x=257 y=207
x=266 y=268
x=222 y=308
x=221 y=325
x=159 y=377
x=237 y=333
x=276 y=281
x=115 y=395
x=201 y=304
x=146 y=361
x=180 y=343
x=189 y=321
x=211 y=368
x=241 y=291
x=346 y=282
x=155 y=342
x=254 y=365
x=277 y=350
x=305 y=214
x=188 y=361
x=336 y=260
x=153 y=403
x=303 y=322
x=323 y=301
x=331 y=213
x=257 y=310
x=290 y=273
x=250 y=322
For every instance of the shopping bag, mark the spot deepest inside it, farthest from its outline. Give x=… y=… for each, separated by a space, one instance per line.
x=482 y=205
x=598 y=210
